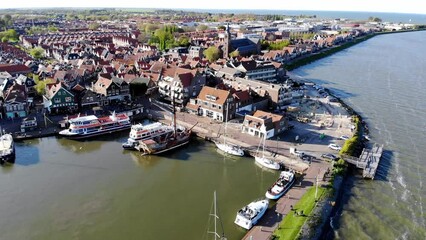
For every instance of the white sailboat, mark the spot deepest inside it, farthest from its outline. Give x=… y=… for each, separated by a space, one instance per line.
x=228 y=148
x=215 y=215
x=264 y=161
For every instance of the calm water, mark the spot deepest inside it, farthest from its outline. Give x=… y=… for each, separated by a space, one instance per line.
x=386 y=17
x=384 y=79
x=62 y=189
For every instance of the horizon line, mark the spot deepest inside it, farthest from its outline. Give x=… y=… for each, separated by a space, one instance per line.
x=206 y=9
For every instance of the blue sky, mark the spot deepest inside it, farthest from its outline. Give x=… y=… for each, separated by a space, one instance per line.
x=400 y=6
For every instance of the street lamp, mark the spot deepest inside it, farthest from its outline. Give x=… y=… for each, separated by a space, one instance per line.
x=278 y=139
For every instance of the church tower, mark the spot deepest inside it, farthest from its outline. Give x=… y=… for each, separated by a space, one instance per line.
x=226 y=43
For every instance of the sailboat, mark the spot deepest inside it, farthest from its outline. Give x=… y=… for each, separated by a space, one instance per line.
x=178 y=137
x=228 y=148
x=215 y=215
x=265 y=162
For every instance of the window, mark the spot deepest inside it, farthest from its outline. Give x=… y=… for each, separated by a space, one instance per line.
x=57 y=100
x=213 y=105
x=68 y=99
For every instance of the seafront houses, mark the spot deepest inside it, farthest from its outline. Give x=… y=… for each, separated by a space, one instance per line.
x=263 y=71
x=183 y=83
x=243 y=101
x=212 y=103
x=58 y=99
x=15 y=102
x=15 y=69
x=113 y=88
x=279 y=96
x=89 y=99
x=264 y=124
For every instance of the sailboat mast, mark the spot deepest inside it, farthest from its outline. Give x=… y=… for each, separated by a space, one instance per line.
x=174 y=115
x=215 y=216
x=216 y=235
x=226 y=121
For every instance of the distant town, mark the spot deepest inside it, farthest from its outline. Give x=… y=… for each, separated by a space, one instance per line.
x=74 y=61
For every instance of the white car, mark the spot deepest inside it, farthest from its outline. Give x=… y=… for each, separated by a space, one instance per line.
x=334 y=146
x=344 y=137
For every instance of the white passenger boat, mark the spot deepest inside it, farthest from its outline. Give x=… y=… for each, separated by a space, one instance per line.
x=249 y=215
x=281 y=186
x=145 y=132
x=90 y=126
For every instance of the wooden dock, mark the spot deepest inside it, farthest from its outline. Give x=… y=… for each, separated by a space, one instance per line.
x=368 y=161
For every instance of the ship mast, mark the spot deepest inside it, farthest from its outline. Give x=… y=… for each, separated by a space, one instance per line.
x=174 y=115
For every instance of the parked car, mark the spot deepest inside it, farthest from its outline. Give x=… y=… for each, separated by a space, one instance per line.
x=344 y=137
x=329 y=156
x=334 y=146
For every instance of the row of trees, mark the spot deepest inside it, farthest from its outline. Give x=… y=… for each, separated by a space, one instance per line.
x=5 y=22
x=9 y=36
x=276 y=45
x=41 y=30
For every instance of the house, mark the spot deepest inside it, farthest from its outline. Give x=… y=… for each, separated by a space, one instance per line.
x=181 y=84
x=213 y=102
x=58 y=99
x=263 y=71
x=243 y=101
x=113 y=88
x=262 y=124
x=279 y=95
x=15 y=69
x=196 y=52
x=89 y=99
x=15 y=102
x=28 y=83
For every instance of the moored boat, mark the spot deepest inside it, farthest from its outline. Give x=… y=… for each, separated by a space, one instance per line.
x=7 y=149
x=90 y=126
x=165 y=142
x=264 y=161
x=226 y=147
x=281 y=186
x=249 y=215
x=144 y=132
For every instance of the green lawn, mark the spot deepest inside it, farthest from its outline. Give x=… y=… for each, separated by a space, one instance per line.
x=291 y=224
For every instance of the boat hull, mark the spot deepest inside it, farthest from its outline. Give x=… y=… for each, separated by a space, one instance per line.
x=267 y=163
x=94 y=134
x=231 y=150
x=275 y=196
x=246 y=223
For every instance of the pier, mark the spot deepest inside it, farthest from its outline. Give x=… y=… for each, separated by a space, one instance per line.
x=368 y=161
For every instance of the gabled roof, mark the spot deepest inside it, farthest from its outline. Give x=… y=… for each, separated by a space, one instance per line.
x=213 y=95
x=16 y=93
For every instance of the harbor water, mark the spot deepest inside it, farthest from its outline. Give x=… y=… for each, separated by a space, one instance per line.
x=64 y=189
x=383 y=79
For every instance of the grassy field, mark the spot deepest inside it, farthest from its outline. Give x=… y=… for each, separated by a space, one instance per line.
x=290 y=226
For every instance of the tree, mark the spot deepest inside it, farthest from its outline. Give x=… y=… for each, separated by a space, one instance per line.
x=143 y=37
x=9 y=36
x=183 y=41
x=37 y=52
x=221 y=27
x=202 y=27
x=41 y=85
x=374 y=19
x=94 y=26
x=235 y=53
x=212 y=54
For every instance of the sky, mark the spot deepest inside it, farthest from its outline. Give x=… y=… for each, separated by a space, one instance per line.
x=394 y=6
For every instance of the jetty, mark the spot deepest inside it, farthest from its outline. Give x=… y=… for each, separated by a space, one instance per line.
x=368 y=161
